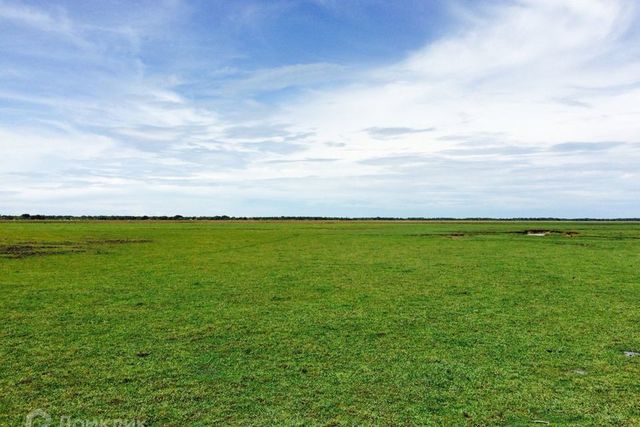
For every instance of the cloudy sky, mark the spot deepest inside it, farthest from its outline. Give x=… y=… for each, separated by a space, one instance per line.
x=320 y=107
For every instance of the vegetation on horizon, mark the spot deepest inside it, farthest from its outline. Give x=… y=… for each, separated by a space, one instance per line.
x=39 y=217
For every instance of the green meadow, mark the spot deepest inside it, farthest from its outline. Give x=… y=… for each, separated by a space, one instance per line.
x=321 y=323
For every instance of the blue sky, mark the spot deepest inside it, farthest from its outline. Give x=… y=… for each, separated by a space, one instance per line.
x=320 y=107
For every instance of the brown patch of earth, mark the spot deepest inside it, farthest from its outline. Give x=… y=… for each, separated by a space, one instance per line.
x=33 y=248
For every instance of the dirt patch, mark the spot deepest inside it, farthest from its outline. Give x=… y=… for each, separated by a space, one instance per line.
x=545 y=232
x=115 y=241
x=33 y=248
x=456 y=235
x=23 y=250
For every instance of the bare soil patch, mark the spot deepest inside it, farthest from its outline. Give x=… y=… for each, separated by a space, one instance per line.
x=546 y=232
x=528 y=232
x=23 y=250
x=26 y=249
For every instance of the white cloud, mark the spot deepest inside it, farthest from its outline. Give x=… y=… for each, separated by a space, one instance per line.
x=503 y=75
x=35 y=18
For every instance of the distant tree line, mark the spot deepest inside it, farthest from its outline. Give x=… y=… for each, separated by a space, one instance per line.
x=37 y=217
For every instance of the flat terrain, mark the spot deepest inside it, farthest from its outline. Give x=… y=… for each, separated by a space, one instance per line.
x=321 y=323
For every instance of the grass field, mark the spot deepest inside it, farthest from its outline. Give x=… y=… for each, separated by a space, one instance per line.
x=321 y=323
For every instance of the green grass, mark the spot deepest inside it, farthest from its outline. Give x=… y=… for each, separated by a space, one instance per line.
x=320 y=323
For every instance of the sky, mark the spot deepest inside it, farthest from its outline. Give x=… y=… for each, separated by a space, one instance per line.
x=523 y=108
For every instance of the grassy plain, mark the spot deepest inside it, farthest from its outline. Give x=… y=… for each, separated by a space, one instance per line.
x=321 y=323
